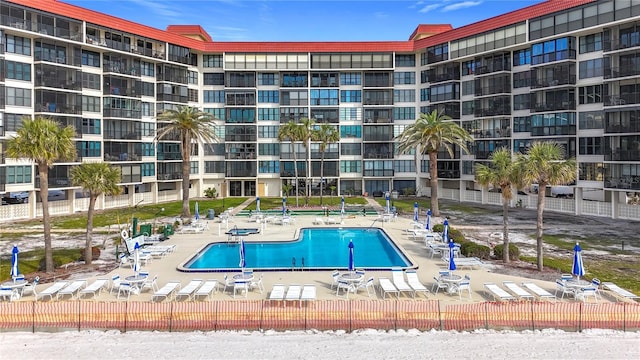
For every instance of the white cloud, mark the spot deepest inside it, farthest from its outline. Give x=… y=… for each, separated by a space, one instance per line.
x=461 y=5
x=162 y=8
x=429 y=8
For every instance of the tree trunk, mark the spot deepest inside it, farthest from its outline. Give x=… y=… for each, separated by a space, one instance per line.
x=88 y=254
x=307 y=182
x=46 y=220
x=321 y=176
x=295 y=170
x=433 y=171
x=186 y=167
x=539 y=224
x=505 y=229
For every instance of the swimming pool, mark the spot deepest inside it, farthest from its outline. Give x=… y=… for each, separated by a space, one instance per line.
x=318 y=248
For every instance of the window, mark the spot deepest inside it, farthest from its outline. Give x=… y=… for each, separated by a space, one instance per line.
x=269 y=167
x=268 y=79
x=323 y=97
x=148 y=109
x=269 y=149
x=18 y=97
x=148 y=169
x=217 y=113
x=404 y=113
x=350 y=131
x=18 y=45
x=268 y=132
x=269 y=114
x=90 y=58
x=591 y=171
x=404 y=166
x=350 y=114
x=213 y=96
x=294 y=98
x=350 y=79
x=590 y=94
x=590 y=43
x=90 y=81
x=590 y=146
x=194 y=167
x=590 y=68
x=424 y=94
x=591 y=120
x=18 y=71
x=192 y=95
x=212 y=61
x=350 y=96
x=18 y=174
x=350 y=166
x=522 y=102
x=268 y=96
x=12 y=122
x=521 y=124
x=350 y=149
x=213 y=79
x=521 y=79
x=89 y=149
x=91 y=126
x=405 y=60
x=522 y=57
x=91 y=103
x=147 y=69
x=211 y=167
x=148 y=129
x=404 y=78
x=408 y=95
x=192 y=77
x=148 y=89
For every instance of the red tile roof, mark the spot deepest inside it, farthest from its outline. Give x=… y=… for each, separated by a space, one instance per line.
x=175 y=33
x=430 y=29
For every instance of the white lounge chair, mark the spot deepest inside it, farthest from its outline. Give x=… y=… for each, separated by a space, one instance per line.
x=209 y=287
x=308 y=293
x=517 y=290
x=71 y=289
x=277 y=292
x=619 y=292
x=293 y=293
x=166 y=291
x=30 y=288
x=538 y=291
x=414 y=282
x=498 y=292
x=387 y=287
x=94 y=288
x=115 y=283
x=318 y=221
x=368 y=286
x=398 y=281
x=189 y=289
x=52 y=290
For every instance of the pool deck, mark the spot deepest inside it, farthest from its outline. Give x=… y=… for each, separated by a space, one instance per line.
x=188 y=244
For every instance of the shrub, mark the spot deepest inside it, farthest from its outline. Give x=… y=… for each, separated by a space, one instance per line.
x=471 y=249
x=438 y=228
x=514 y=251
x=95 y=254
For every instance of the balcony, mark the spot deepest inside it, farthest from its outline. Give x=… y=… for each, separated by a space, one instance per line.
x=623 y=182
x=554 y=106
x=622 y=71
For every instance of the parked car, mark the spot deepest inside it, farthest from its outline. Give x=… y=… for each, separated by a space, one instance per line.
x=18 y=197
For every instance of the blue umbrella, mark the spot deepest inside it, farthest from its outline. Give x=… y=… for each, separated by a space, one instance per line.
x=136 y=259
x=242 y=260
x=14 y=262
x=352 y=265
x=452 y=263
x=386 y=197
x=284 y=205
x=197 y=211
x=342 y=206
x=445 y=232
x=415 y=212
x=428 y=223
x=578 y=265
x=257 y=204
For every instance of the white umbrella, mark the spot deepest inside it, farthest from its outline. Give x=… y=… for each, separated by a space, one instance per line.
x=342 y=206
x=415 y=212
x=136 y=259
x=258 y=204
x=242 y=253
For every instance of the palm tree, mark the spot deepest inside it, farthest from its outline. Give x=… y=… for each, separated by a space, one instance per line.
x=95 y=179
x=544 y=164
x=290 y=132
x=44 y=142
x=189 y=123
x=427 y=135
x=501 y=173
x=305 y=135
x=325 y=134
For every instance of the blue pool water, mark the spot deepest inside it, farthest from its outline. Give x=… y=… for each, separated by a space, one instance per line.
x=321 y=248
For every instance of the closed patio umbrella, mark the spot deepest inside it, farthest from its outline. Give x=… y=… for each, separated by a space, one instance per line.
x=445 y=232
x=386 y=197
x=416 y=212
x=428 y=223
x=14 y=262
x=342 y=206
x=284 y=205
x=136 y=259
x=258 y=204
x=352 y=265
x=197 y=211
x=242 y=259
x=452 y=253
x=578 y=266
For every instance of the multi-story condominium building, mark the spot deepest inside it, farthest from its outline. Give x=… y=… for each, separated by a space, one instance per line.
x=566 y=71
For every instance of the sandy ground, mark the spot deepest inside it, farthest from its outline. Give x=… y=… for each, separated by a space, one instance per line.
x=364 y=344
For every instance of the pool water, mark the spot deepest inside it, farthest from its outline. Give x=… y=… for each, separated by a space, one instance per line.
x=319 y=248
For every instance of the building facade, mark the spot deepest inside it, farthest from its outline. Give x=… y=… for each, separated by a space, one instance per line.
x=566 y=71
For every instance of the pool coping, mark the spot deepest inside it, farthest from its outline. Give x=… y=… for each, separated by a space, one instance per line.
x=397 y=247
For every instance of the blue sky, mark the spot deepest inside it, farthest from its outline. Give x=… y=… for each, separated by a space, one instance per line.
x=304 y=20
